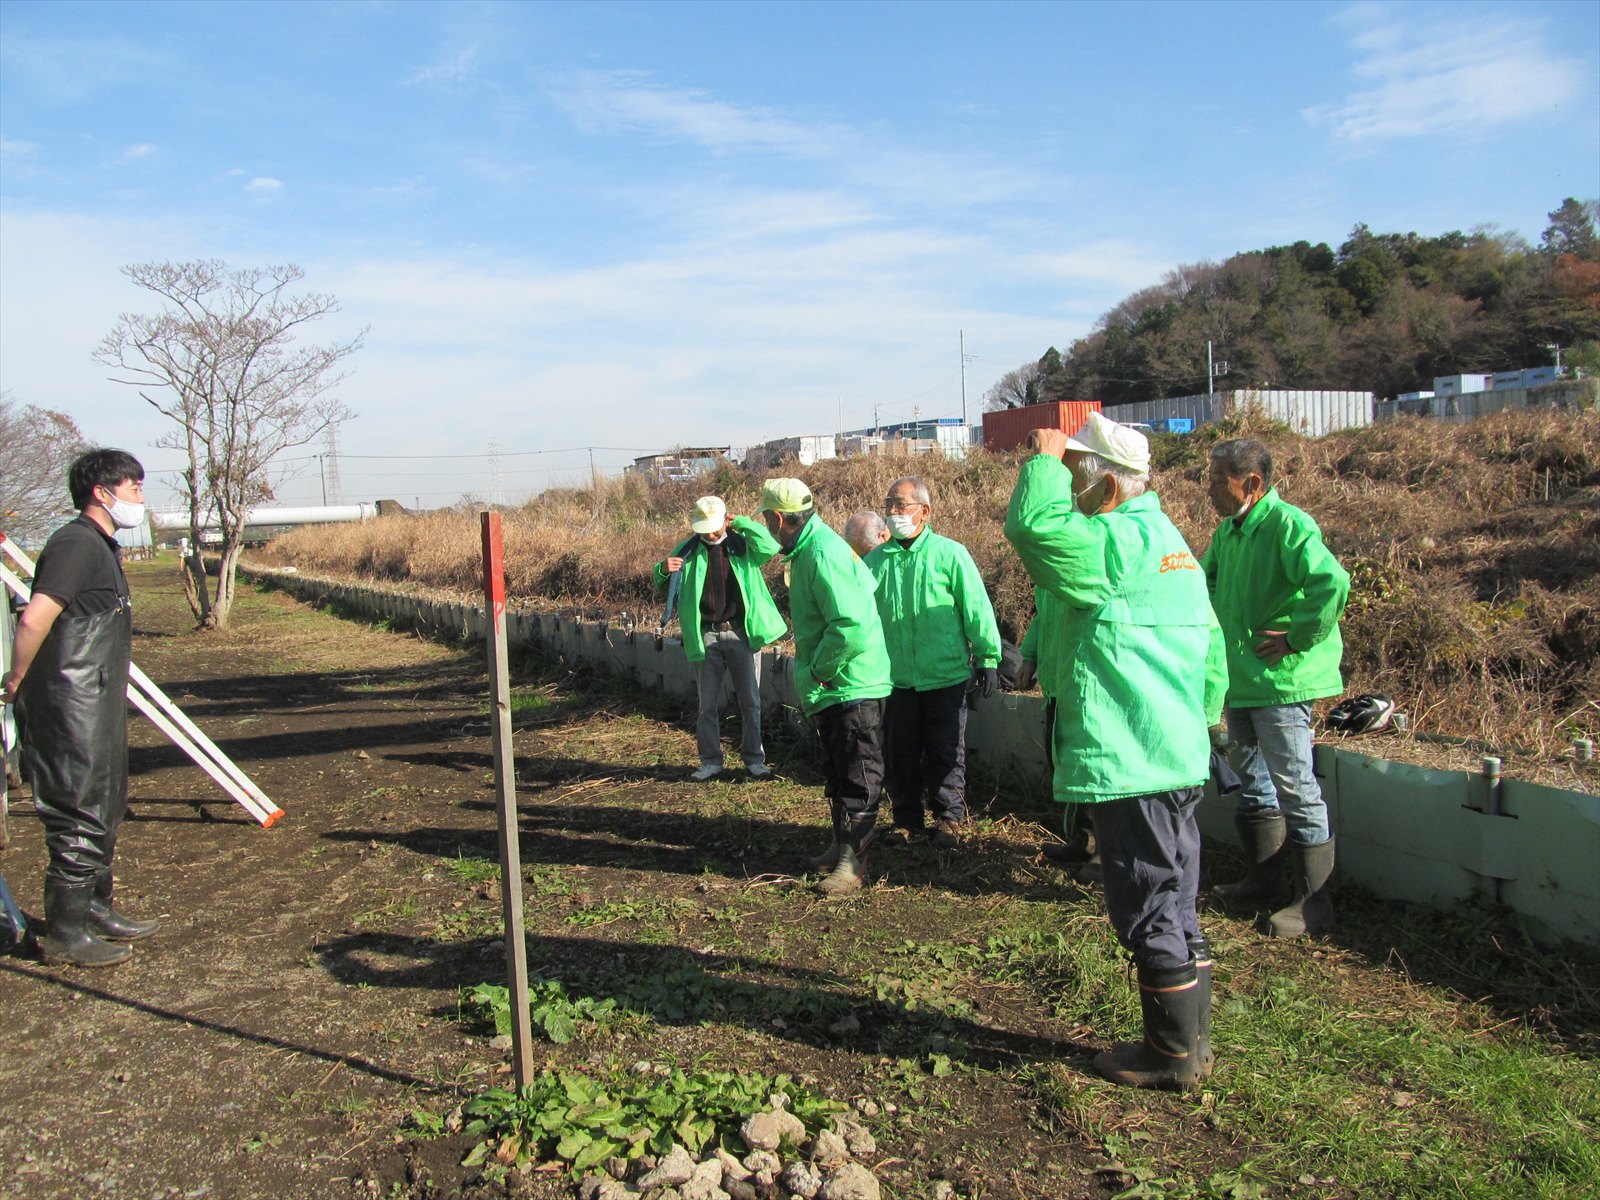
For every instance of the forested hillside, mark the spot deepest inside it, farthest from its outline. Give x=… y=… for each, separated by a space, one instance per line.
x=1384 y=312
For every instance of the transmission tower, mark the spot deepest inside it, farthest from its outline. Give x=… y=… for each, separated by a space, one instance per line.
x=330 y=466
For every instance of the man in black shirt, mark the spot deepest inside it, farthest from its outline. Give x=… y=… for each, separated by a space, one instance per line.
x=69 y=676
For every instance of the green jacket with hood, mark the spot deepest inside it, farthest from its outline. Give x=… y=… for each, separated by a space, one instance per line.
x=838 y=638
x=1272 y=571
x=750 y=546
x=937 y=619
x=1039 y=643
x=1142 y=667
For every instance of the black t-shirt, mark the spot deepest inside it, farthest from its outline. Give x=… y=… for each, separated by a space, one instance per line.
x=82 y=568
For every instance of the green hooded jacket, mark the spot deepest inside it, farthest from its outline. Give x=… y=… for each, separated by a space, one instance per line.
x=838 y=638
x=937 y=620
x=1039 y=644
x=750 y=547
x=1272 y=571
x=1142 y=667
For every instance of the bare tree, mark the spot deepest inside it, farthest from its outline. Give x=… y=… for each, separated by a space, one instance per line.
x=1015 y=388
x=37 y=445
x=221 y=363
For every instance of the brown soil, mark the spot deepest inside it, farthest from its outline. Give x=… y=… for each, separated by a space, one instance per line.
x=301 y=996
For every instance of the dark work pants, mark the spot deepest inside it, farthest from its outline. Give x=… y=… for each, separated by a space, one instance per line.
x=925 y=753
x=852 y=765
x=1150 y=850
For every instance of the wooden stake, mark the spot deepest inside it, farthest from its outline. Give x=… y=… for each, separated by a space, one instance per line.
x=505 y=775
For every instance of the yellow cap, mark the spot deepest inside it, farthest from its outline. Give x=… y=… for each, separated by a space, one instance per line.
x=785 y=496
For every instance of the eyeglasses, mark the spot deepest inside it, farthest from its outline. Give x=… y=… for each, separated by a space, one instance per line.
x=895 y=504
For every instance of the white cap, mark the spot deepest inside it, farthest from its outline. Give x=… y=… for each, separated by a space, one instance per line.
x=1114 y=442
x=709 y=515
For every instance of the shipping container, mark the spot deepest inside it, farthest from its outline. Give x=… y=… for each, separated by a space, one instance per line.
x=1538 y=376
x=1008 y=428
x=1405 y=396
x=1507 y=379
x=1461 y=385
x=1173 y=425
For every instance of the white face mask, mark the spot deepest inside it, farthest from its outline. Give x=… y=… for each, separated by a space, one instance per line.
x=125 y=514
x=1077 y=499
x=713 y=539
x=902 y=526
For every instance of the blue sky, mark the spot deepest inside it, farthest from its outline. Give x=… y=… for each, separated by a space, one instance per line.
x=638 y=225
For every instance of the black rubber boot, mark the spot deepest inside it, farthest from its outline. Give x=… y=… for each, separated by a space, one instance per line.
x=1167 y=1057
x=67 y=938
x=1204 y=1055
x=850 y=872
x=1311 y=910
x=1262 y=835
x=106 y=922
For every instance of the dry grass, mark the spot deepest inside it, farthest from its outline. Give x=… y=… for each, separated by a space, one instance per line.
x=1475 y=553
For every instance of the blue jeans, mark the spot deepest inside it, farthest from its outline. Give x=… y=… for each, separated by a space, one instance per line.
x=1272 y=753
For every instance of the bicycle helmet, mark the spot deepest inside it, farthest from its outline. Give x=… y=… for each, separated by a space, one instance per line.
x=1360 y=714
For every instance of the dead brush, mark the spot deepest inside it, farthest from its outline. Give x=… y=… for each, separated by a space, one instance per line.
x=1475 y=598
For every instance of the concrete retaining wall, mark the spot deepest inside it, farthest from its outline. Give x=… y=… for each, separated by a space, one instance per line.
x=1405 y=832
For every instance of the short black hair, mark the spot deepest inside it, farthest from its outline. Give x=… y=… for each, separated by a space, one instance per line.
x=1244 y=456
x=100 y=468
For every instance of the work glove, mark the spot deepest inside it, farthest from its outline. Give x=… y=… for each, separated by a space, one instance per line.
x=1026 y=674
x=1220 y=741
x=986 y=681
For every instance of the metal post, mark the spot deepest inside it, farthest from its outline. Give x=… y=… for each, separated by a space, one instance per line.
x=324 y=476
x=494 y=594
x=962 y=334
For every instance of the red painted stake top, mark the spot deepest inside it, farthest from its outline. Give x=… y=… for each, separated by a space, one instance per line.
x=494 y=565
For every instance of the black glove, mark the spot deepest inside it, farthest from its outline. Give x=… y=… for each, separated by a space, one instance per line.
x=986 y=681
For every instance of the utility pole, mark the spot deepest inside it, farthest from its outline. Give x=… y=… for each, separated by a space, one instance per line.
x=1556 y=347
x=962 y=335
x=1211 y=376
x=324 y=475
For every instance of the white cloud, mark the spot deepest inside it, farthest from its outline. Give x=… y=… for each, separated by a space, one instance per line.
x=1459 y=72
x=14 y=147
x=453 y=69
x=264 y=185
x=137 y=151
x=1122 y=265
x=628 y=101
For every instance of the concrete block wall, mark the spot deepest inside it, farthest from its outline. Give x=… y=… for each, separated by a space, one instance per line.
x=1405 y=832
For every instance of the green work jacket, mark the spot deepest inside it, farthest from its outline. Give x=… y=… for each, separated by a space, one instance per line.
x=937 y=619
x=750 y=547
x=1039 y=644
x=1272 y=571
x=1142 y=668
x=838 y=638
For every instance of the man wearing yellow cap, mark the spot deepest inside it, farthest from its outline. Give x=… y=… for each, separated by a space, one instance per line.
x=728 y=618
x=841 y=671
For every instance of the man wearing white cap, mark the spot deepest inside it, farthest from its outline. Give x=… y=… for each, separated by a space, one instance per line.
x=1143 y=677
x=728 y=618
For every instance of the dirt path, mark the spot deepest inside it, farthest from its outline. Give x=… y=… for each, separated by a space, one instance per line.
x=237 y=1054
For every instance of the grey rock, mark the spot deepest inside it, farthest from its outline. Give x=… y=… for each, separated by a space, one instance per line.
x=867 y=1107
x=850 y=1182
x=732 y=1169
x=846 y=1026
x=857 y=1137
x=791 y=1128
x=677 y=1167
x=740 y=1189
x=760 y=1132
x=758 y=1161
x=944 y=1190
x=500 y=1041
x=801 y=1180
x=828 y=1149
x=705 y=1183
x=617 y=1168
